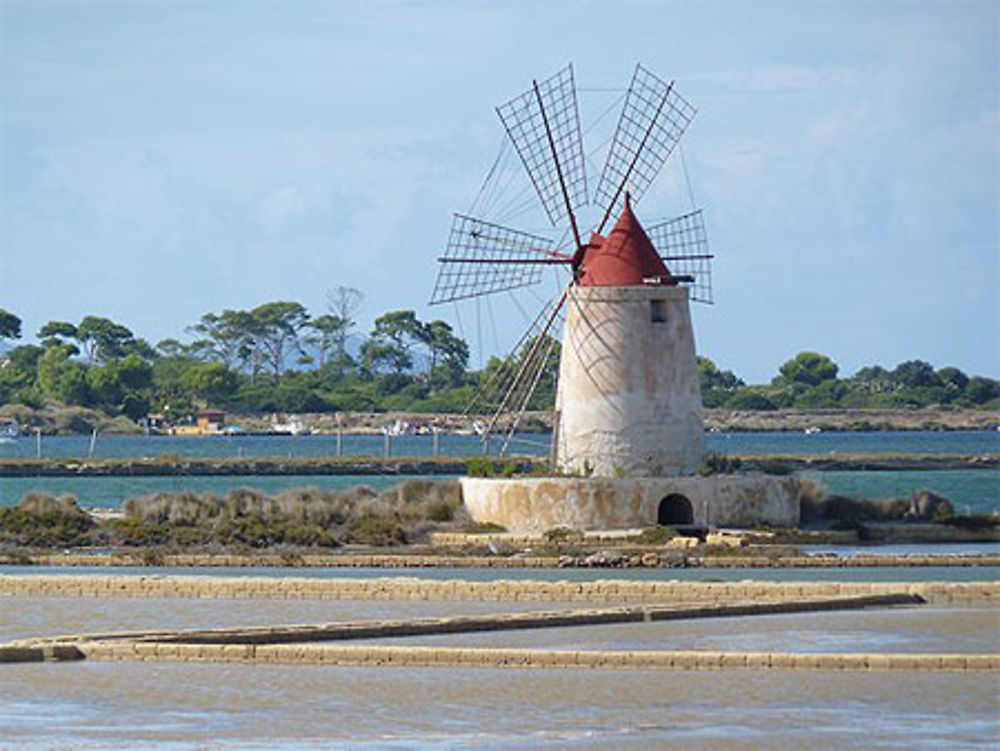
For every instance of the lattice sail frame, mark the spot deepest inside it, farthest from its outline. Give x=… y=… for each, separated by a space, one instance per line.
x=482 y=258
x=529 y=122
x=508 y=393
x=653 y=119
x=683 y=244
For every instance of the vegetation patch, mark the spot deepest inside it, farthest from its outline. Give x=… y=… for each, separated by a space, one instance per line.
x=244 y=518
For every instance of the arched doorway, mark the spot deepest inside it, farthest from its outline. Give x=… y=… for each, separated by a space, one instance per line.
x=675 y=509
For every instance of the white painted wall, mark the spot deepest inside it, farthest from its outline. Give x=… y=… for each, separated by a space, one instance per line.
x=629 y=403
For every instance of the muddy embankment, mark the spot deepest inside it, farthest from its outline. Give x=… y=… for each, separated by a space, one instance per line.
x=715 y=419
x=176 y=466
x=78 y=420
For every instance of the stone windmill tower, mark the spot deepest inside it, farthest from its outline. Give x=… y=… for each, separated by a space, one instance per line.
x=628 y=402
x=628 y=407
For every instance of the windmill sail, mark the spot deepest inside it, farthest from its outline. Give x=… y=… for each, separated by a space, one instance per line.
x=527 y=374
x=544 y=125
x=653 y=119
x=483 y=258
x=683 y=245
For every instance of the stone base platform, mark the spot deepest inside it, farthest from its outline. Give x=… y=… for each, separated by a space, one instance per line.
x=534 y=505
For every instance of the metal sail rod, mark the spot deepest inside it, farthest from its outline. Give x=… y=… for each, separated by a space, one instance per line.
x=498 y=375
x=524 y=365
x=539 y=371
x=499 y=261
x=559 y=173
x=635 y=159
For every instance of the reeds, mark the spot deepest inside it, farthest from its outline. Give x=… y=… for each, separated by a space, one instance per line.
x=402 y=513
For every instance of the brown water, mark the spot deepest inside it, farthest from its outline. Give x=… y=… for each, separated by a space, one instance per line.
x=161 y=705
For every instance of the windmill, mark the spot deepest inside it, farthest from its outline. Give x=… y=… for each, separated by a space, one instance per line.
x=628 y=399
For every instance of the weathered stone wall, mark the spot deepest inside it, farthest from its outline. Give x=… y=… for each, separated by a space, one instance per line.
x=486 y=657
x=411 y=656
x=629 y=400
x=663 y=558
x=534 y=505
x=602 y=591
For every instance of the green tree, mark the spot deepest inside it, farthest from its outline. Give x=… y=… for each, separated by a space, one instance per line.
x=10 y=325
x=63 y=380
x=809 y=368
x=327 y=339
x=173 y=348
x=711 y=378
x=101 y=339
x=448 y=355
x=56 y=333
x=953 y=379
x=751 y=400
x=210 y=382
x=18 y=372
x=391 y=342
x=981 y=390
x=275 y=327
x=873 y=379
x=221 y=337
x=915 y=374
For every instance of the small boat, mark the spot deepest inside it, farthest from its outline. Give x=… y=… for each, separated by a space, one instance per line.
x=400 y=427
x=10 y=430
x=292 y=427
x=812 y=430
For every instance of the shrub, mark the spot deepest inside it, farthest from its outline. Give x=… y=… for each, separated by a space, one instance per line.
x=557 y=535
x=479 y=466
x=44 y=521
x=137 y=532
x=971 y=522
x=440 y=511
x=719 y=464
x=483 y=528
x=656 y=535
x=376 y=530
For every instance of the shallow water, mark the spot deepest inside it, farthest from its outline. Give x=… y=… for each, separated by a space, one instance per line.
x=904 y=442
x=846 y=574
x=166 y=706
x=911 y=629
x=151 y=705
x=22 y=617
x=972 y=490
x=900 y=629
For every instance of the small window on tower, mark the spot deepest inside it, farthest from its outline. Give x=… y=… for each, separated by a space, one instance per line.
x=658 y=311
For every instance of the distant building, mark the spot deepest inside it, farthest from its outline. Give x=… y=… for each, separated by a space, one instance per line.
x=207 y=422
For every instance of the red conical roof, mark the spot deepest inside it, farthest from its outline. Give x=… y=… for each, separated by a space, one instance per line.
x=625 y=258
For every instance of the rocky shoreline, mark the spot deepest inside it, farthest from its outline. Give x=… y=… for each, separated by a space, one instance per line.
x=77 y=421
x=721 y=420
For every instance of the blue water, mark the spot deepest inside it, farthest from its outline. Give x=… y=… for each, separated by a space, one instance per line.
x=909 y=442
x=971 y=490
x=111 y=492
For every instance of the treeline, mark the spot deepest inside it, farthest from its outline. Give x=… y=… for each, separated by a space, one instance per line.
x=810 y=381
x=277 y=357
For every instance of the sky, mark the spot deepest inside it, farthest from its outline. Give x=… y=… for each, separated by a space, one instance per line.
x=164 y=159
